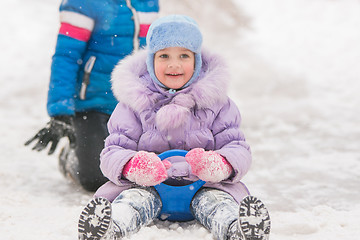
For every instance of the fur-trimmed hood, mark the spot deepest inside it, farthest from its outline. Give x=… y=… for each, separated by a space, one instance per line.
x=133 y=86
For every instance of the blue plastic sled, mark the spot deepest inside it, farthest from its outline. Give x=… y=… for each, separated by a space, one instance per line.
x=176 y=200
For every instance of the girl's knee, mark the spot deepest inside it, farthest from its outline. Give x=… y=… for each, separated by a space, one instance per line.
x=213 y=195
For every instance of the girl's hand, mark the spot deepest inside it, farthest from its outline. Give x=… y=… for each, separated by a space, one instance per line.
x=146 y=169
x=209 y=166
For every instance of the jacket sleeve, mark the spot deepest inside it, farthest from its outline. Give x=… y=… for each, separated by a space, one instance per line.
x=75 y=30
x=124 y=132
x=230 y=141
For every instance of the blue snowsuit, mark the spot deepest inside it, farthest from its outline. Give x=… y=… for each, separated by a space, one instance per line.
x=94 y=35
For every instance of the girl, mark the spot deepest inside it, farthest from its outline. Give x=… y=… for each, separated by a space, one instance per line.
x=173 y=96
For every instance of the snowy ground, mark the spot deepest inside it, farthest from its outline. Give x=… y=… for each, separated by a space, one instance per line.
x=296 y=78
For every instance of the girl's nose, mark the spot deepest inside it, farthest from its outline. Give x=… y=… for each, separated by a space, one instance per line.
x=173 y=64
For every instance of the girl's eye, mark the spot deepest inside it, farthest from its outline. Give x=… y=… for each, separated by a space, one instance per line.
x=184 y=55
x=164 y=56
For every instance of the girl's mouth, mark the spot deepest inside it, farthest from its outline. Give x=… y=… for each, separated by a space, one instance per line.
x=174 y=74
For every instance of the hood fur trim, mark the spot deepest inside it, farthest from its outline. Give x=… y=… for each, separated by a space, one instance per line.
x=132 y=85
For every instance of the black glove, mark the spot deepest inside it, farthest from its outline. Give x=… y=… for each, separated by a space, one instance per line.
x=56 y=128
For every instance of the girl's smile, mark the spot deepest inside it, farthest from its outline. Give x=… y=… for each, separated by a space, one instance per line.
x=174 y=66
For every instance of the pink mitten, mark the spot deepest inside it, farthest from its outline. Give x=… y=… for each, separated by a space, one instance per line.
x=146 y=169
x=209 y=166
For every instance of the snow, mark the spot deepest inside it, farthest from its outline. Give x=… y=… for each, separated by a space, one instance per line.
x=296 y=69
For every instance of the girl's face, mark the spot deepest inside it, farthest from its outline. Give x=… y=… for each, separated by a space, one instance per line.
x=174 y=66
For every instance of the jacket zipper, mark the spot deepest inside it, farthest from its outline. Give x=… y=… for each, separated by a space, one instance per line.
x=136 y=42
x=86 y=78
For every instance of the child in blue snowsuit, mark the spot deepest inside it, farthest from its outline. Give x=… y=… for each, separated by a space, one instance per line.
x=93 y=37
x=172 y=95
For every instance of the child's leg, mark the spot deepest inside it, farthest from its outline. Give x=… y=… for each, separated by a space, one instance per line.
x=131 y=210
x=90 y=132
x=135 y=208
x=81 y=163
x=216 y=210
x=220 y=213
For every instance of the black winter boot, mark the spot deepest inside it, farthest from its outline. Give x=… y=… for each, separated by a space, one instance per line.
x=95 y=222
x=68 y=163
x=253 y=223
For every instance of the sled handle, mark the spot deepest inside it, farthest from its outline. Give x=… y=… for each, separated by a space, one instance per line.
x=176 y=200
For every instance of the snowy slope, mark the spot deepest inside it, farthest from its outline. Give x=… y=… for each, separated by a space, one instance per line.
x=296 y=71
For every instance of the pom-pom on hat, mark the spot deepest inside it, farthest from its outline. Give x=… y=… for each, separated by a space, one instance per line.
x=174 y=31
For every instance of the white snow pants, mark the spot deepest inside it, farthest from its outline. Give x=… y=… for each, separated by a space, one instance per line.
x=214 y=209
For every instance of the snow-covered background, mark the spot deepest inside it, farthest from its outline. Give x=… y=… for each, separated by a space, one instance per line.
x=296 y=78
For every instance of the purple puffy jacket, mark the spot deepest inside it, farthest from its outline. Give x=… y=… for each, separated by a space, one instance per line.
x=150 y=118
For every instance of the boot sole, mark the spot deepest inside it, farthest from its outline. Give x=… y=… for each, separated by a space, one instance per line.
x=254 y=219
x=95 y=219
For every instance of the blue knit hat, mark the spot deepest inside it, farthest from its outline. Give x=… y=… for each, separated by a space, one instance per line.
x=174 y=31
